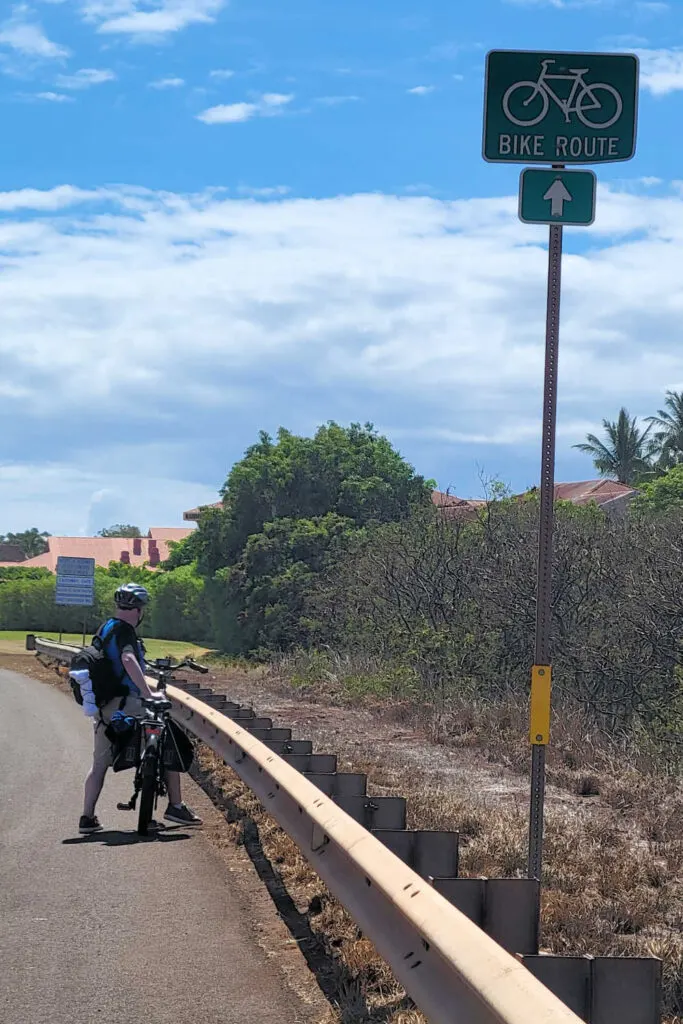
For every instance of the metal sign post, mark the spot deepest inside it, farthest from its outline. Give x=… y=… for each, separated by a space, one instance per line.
x=543 y=107
x=542 y=675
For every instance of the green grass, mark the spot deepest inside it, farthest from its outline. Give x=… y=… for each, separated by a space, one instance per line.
x=155 y=648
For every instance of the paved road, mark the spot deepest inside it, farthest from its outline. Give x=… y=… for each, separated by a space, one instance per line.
x=111 y=929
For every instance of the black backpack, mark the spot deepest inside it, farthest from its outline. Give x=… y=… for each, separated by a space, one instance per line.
x=106 y=684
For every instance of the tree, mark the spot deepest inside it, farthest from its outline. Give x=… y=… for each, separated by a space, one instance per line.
x=625 y=451
x=663 y=494
x=32 y=542
x=182 y=552
x=668 y=437
x=120 y=530
x=177 y=609
x=286 y=504
x=266 y=592
x=352 y=471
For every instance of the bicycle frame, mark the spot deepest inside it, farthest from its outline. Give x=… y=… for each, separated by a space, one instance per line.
x=566 y=106
x=154 y=729
x=152 y=743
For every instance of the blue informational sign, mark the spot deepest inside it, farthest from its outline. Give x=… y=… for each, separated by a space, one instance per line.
x=75 y=581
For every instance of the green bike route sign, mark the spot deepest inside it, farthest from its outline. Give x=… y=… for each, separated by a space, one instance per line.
x=560 y=108
x=557 y=197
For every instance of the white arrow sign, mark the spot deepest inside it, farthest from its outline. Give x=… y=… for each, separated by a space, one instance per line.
x=558 y=196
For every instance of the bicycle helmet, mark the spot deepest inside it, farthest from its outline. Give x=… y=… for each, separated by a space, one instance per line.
x=131 y=595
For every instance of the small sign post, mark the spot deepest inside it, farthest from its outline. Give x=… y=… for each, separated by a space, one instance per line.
x=75 y=584
x=557 y=109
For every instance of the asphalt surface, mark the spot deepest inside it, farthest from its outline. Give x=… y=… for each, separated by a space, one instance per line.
x=112 y=928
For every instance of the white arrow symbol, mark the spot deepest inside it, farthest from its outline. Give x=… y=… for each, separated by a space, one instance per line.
x=558 y=196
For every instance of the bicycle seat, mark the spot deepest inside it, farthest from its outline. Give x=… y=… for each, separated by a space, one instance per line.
x=579 y=71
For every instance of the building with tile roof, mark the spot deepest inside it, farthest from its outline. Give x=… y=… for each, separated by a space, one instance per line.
x=11 y=554
x=151 y=550
x=608 y=494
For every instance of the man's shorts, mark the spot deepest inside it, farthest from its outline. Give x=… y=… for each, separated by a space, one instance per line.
x=102 y=753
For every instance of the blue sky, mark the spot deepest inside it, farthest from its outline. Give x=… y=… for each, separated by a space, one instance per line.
x=217 y=218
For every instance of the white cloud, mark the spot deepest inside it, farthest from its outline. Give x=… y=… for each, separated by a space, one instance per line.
x=563 y=4
x=167 y=83
x=433 y=305
x=230 y=113
x=276 y=99
x=54 y=97
x=51 y=199
x=23 y=34
x=221 y=73
x=423 y=314
x=335 y=101
x=147 y=19
x=266 y=192
x=653 y=7
x=661 y=71
x=627 y=41
x=521 y=432
x=421 y=90
x=85 y=77
x=73 y=500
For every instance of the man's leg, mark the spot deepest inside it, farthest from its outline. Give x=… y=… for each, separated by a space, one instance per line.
x=177 y=811
x=101 y=761
x=93 y=788
x=173 y=785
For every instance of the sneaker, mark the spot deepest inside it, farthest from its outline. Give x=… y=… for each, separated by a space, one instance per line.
x=182 y=815
x=86 y=825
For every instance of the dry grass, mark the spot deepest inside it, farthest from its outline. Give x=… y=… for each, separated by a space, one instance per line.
x=358 y=982
x=607 y=890
x=613 y=847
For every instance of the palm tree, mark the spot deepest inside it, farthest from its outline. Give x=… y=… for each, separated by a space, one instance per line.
x=668 y=438
x=32 y=542
x=625 y=451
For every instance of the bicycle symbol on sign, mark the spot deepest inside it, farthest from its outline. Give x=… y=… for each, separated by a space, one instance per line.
x=582 y=99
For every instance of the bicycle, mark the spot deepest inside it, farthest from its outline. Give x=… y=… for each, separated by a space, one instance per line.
x=582 y=98
x=149 y=783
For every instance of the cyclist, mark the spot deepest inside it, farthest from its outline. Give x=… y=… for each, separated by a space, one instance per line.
x=122 y=646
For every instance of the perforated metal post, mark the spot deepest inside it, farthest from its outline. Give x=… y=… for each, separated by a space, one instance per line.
x=545 y=545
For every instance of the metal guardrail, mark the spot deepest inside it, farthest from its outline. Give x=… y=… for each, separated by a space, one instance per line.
x=451 y=969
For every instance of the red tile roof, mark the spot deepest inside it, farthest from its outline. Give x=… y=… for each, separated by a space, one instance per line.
x=166 y=533
x=457 y=508
x=438 y=497
x=11 y=553
x=130 y=550
x=600 y=491
x=192 y=516
x=581 y=493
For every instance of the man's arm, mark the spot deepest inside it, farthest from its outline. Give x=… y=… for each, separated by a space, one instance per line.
x=134 y=672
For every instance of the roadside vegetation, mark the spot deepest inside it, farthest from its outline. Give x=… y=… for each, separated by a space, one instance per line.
x=328 y=575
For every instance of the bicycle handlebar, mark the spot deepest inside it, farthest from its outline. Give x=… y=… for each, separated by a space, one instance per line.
x=159 y=665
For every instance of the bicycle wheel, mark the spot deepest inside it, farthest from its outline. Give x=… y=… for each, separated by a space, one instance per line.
x=610 y=103
x=522 y=95
x=148 y=791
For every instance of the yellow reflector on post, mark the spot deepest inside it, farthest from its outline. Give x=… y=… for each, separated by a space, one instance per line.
x=539 y=728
